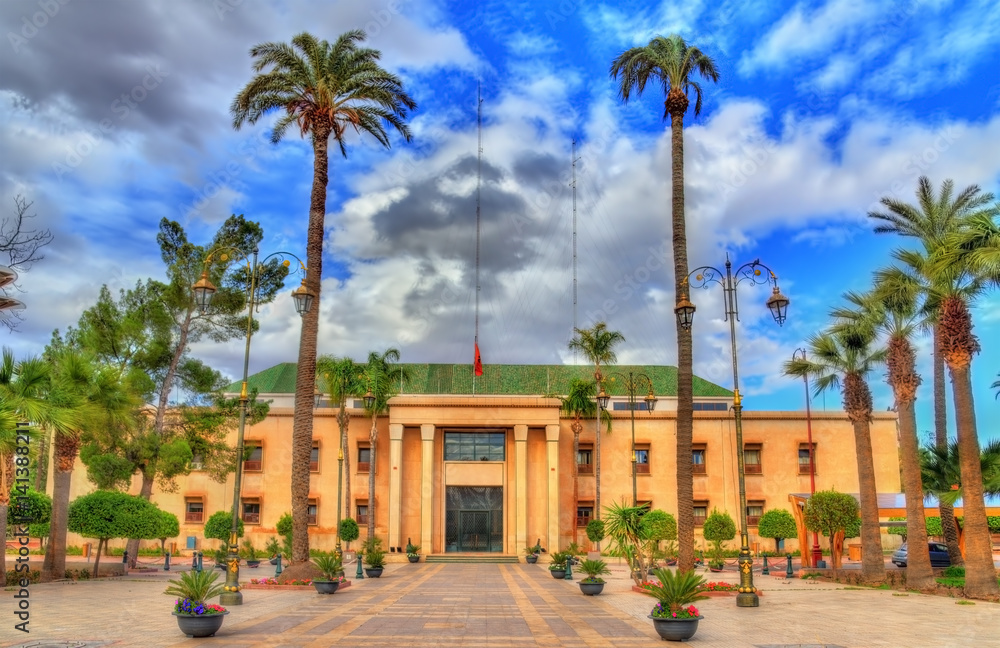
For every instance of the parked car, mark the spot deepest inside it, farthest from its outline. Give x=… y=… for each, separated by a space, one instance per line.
x=938 y=551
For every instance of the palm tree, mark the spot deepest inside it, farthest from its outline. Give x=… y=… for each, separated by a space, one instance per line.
x=327 y=90
x=580 y=403
x=383 y=378
x=973 y=251
x=996 y=386
x=598 y=345
x=672 y=64
x=100 y=397
x=894 y=313
x=931 y=221
x=845 y=356
x=340 y=377
x=941 y=470
x=21 y=386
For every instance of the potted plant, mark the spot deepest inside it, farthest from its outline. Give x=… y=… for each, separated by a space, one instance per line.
x=558 y=566
x=251 y=553
x=195 y=617
x=220 y=558
x=329 y=564
x=412 y=551
x=593 y=584
x=272 y=549
x=375 y=561
x=671 y=619
x=531 y=554
x=595 y=533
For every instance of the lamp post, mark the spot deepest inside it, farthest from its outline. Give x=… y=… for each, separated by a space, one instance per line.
x=204 y=289
x=778 y=305
x=632 y=383
x=817 y=553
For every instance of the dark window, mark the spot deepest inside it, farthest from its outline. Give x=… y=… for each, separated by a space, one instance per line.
x=700 y=513
x=585 y=460
x=751 y=458
x=642 y=460
x=619 y=406
x=698 y=461
x=364 y=459
x=254 y=462
x=584 y=514
x=251 y=511
x=804 y=465
x=362 y=514
x=311 y=512
x=754 y=511
x=474 y=446
x=194 y=510
x=314 y=459
x=709 y=407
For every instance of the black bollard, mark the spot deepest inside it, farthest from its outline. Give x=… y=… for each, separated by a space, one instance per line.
x=124 y=557
x=166 y=563
x=788 y=570
x=201 y=557
x=765 y=572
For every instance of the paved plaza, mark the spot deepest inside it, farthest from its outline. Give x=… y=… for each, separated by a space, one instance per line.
x=494 y=606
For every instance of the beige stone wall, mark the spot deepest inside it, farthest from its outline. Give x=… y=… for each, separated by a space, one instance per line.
x=778 y=433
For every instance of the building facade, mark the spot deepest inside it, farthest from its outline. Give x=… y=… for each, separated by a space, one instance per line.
x=490 y=466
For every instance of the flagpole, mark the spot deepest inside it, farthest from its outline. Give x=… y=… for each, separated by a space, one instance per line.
x=479 y=190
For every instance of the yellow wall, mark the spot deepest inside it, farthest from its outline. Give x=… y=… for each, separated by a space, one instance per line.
x=779 y=433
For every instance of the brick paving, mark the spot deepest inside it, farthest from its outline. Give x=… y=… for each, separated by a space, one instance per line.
x=493 y=606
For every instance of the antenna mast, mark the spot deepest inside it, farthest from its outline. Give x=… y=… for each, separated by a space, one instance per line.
x=479 y=191
x=574 y=159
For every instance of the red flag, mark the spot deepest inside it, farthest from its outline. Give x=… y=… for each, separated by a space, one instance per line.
x=479 y=362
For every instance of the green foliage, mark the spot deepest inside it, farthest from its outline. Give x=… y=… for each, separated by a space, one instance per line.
x=897 y=530
x=828 y=512
x=328 y=564
x=284 y=526
x=623 y=525
x=412 y=549
x=371 y=544
x=658 y=525
x=994 y=523
x=778 y=524
x=197 y=586
x=348 y=530
x=954 y=571
x=272 y=548
x=220 y=525
x=559 y=559
x=167 y=525
x=675 y=590
x=574 y=549
x=594 y=569
x=375 y=557
x=934 y=527
x=718 y=527
x=249 y=551
x=30 y=508
x=595 y=530
x=110 y=514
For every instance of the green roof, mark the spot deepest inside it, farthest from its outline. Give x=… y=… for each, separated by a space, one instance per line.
x=497 y=380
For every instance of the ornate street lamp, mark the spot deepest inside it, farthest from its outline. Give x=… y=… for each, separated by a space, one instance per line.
x=7 y=277
x=817 y=553
x=204 y=290
x=778 y=305
x=632 y=383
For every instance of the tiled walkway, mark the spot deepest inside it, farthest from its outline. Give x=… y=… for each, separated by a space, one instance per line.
x=495 y=606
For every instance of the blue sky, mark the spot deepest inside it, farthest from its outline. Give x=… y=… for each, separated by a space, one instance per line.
x=114 y=115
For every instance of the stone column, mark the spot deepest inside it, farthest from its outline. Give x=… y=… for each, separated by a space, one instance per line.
x=521 y=487
x=552 y=445
x=426 y=486
x=395 y=483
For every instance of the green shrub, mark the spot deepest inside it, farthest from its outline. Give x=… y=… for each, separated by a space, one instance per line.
x=14 y=577
x=220 y=525
x=348 y=530
x=595 y=530
x=954 y=571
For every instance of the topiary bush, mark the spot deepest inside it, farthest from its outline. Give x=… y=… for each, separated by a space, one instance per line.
x=718 y=529
x=348 y=530
x=595 y=530
x=220 y=525
x=778 y=524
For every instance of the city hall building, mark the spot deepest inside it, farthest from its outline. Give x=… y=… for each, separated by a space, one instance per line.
x=486 y=464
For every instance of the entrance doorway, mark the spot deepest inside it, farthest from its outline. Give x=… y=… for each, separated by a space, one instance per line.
x=474 y=519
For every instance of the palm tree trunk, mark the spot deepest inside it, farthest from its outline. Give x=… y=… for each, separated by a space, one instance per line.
x=577 y=428
x=54 y=565
x=949 y=527
x=980 y=573
x=6 y=487
x=305 y=379
x=344 y=421
x=597 y=452
x=42 y=464
x=373 y=437
x=857 y=402
x=904 y=381
x=685 y=394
